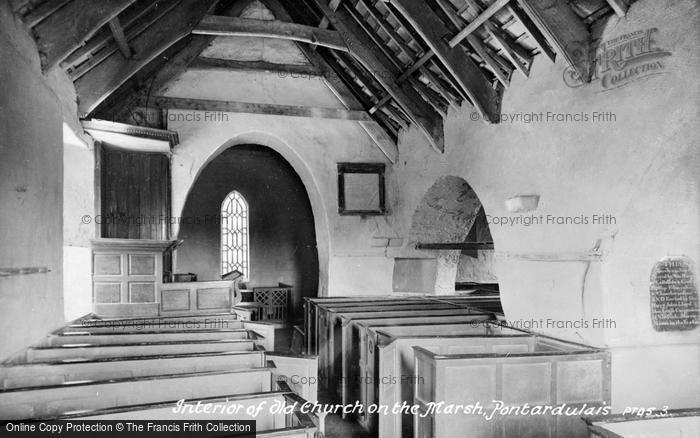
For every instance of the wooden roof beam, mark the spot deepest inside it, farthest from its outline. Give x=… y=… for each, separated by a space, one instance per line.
x=93 y=59
x=236 y=26
x=481 y=19
x=304 y=70
x=376 y=131
x=222 y=106
x=69 y=27
x=118 y=33
x=43 y=11
x=103 y=39
x=619 y=6
x=97 y=84
x=466 y=73
x=565 y=32
x=365 y=51
x=535 y=34
x=475 y=43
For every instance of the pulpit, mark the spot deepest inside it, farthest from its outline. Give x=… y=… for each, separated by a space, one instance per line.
x=127 y=278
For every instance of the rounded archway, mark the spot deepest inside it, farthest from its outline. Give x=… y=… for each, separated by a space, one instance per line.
x=450 y=212
x=281 y=226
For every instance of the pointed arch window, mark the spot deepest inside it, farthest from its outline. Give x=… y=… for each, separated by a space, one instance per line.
x=235 y=253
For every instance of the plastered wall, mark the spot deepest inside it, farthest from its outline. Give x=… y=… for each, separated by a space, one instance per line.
x=636 y=166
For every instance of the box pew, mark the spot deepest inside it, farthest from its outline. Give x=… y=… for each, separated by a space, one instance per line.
x=316 y=310
x=139 y=337
x=52 y=401
x=344 y=342
x=395 y=375
x=671 y=423
x=66 y=352
x=314 y=307
x=366 y=368
x=551 y=375
x=59 y=373
x=160 y=324
x=331 y=326
x=329 y=318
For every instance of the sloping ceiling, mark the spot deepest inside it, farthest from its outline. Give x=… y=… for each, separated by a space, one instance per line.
x=392 y=63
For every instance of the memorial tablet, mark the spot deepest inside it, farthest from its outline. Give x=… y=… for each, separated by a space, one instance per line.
x=674 y=295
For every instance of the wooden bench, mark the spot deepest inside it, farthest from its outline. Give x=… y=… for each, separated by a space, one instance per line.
x=574 y=376
x=58 y=373
x=268 y=424
x=52 y=401
x=114 y=326
x=142 y=337
x=58 y=353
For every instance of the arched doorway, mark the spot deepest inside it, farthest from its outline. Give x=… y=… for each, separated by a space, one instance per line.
x=281 y=228
x=450 y=212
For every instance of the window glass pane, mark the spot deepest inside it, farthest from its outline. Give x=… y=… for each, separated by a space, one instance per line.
x=234 y=234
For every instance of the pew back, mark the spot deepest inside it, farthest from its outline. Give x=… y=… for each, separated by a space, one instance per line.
x=59 y=400
x=574 y=378
x=396 y=375
x=59 y=373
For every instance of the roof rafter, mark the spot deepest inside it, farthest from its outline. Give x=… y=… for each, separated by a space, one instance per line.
x=70 y=26
x=467 y=74
x=361 y=46
x=376 y=131
x=114 y=71
x=236 y=26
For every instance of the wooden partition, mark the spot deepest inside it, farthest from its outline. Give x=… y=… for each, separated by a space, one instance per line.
x=127 y=275
x=549 y=378
x=344 y=368
x=198 y=297
x=395 y=378
x=314 y=308
x=372 y=337
x=332 y=331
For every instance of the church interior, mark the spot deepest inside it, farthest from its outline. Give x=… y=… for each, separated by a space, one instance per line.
x=388 y=218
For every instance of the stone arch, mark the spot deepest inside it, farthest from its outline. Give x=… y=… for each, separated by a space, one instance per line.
x=446 y=214
x=287 y=152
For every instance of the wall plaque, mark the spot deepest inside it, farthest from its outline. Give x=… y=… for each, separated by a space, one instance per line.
x=674 y=295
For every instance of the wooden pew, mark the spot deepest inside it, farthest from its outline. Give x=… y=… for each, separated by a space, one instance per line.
x=315 y=311
x=343 y=363
x=314 y=308
x=142 y=337
x=574 y=376
x=52 y=401
x=331 y=330
x=57 y=353
x=268 y=423
x=58 y=373
x=371 y=336
x=226 y=321
x=669 y=423
x=395 y=373
x=328 y=314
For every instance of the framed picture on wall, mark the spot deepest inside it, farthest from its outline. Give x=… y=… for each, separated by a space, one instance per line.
x=361 y=189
